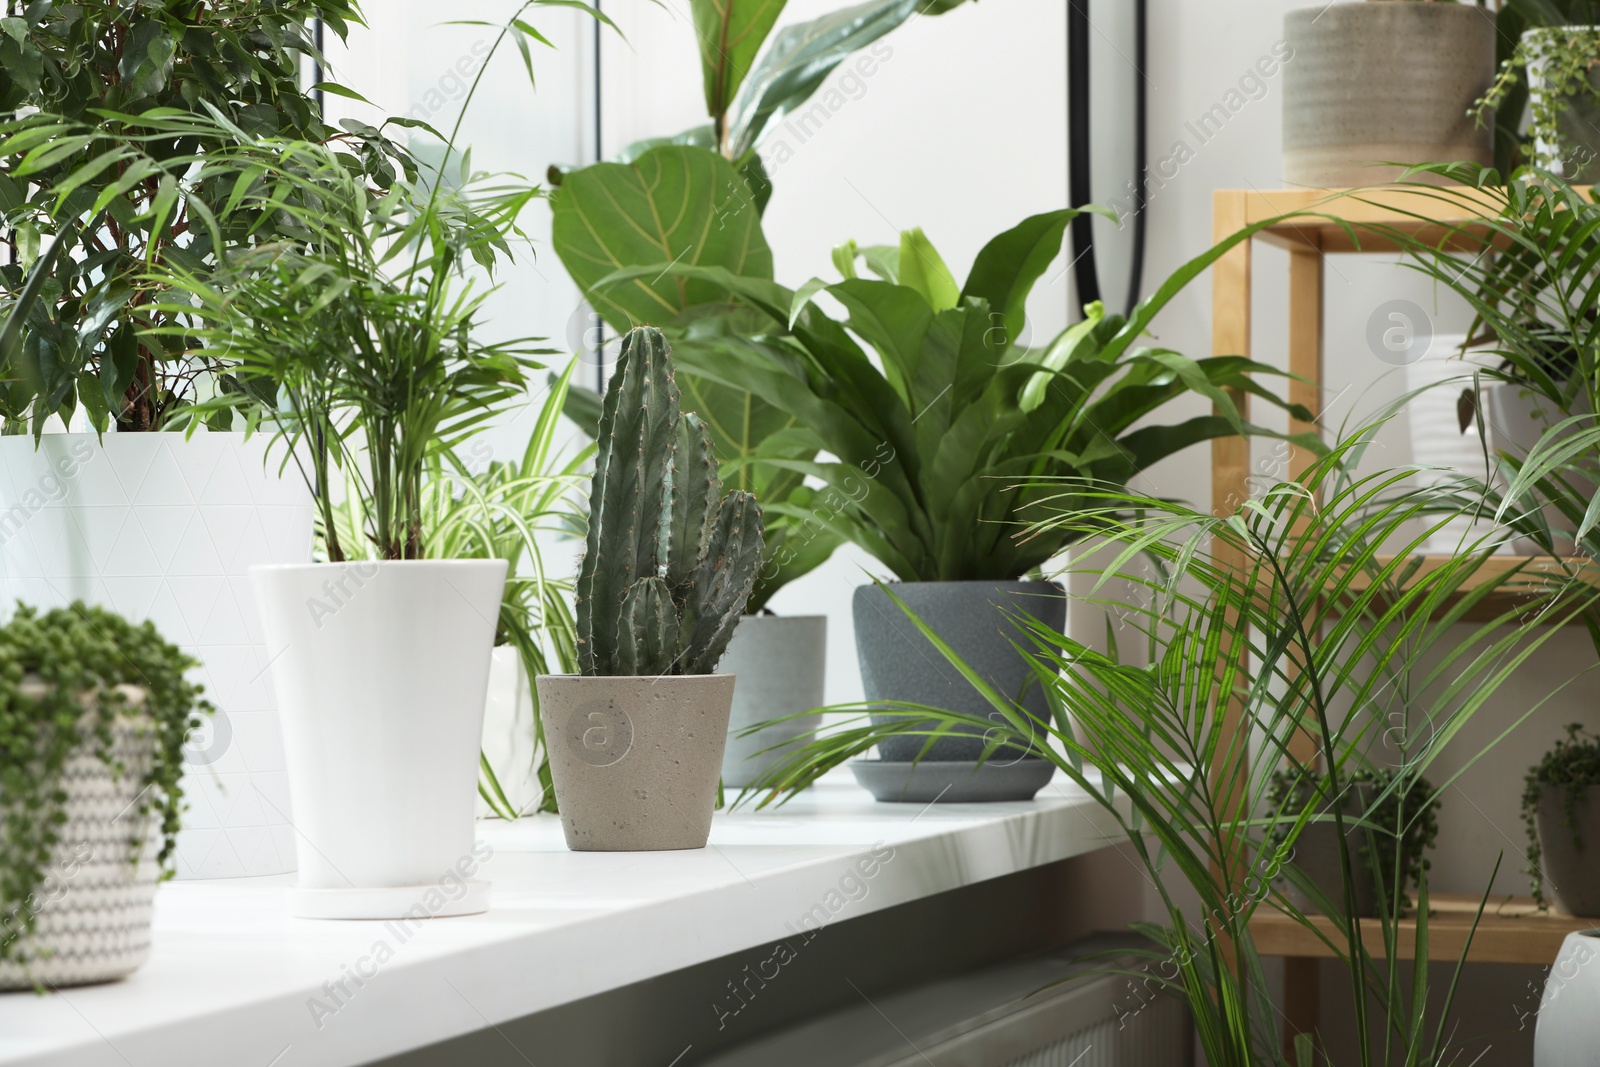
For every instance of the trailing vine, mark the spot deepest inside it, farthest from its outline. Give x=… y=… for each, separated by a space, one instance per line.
x=59 y=676
x=1565 y=58
x=1412 y=810
x=1571 y=766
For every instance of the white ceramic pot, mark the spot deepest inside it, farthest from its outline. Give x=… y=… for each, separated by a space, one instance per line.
x=1568 y=1031
x=509 y=733
x=155 y=526
x=381 y=671
x=1366 y=84
x=781 y=664
x=635 y=759
x=92 y=911
x=1437 y=442
x=1518 y=418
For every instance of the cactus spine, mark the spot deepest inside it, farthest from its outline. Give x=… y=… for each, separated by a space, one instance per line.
x=669 y=561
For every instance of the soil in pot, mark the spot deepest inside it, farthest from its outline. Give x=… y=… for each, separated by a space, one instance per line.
x=635 y=761
x=977 y=620
x=1570 y=846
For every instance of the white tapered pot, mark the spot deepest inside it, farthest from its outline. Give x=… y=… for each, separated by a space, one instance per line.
x=1568 y=1031
x=381 y=671
x=165 y=528
x=510 y=732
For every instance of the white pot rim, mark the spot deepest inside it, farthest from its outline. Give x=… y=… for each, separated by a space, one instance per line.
x=782 y=618
x=652 y=678
x=443 y=564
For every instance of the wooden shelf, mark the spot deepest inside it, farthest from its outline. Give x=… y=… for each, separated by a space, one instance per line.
x=1416 y=211
x=1529 y=576
x=1511 y=931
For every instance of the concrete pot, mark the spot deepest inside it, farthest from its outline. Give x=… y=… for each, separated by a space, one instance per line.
x=165 y=528
x=381 y=670
x=781 y=664
x=635 y=760
x=1568 y=1029
x=1571 y=867
x=898 y=663
x=1371 y=83
x=1316 y=854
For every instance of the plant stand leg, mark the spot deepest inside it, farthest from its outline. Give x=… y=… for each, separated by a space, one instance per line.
x=1302 y=999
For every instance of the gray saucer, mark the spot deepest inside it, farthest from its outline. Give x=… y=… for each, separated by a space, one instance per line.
x=950 y=782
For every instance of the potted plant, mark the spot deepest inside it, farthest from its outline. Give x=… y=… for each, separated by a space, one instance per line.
x=1561 y=811
x=1537 y=319
x=715 y=180
x=475 y=507
x=1175 y=741
x=368 y=332
x=158 y=526
x=1391 y=823
x=1550 y=52
x=942 y=449
x=95 y=714
x=1383 y=82
x=636 y=738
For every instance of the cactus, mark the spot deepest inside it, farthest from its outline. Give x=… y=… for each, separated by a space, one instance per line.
x=669 y=561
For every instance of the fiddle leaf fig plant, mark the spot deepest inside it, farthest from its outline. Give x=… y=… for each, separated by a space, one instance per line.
x=670 y=559
x=942 y=447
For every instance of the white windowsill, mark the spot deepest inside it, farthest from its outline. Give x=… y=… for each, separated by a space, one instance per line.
x=233 y=980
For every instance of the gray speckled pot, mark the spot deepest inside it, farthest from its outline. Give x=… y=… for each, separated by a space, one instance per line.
x=635 y=760
x=1572 y=873
x=781 y=662
x=898 y=663
x=1383 y=83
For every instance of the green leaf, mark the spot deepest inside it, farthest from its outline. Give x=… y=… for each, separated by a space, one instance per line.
x=147 y=58
x=1008 y=266
x=923 y=269
x=800 y=58
x=674 y=205
x=730 y=33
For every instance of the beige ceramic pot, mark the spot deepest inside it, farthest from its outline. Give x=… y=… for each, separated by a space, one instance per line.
x=1383 y=82
x=635 y=760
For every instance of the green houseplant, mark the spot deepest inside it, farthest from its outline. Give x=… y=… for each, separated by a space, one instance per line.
x=939 y=455
x=96 y=712
x=366 y=330
x=697 y=196
x=1256 y=627
x=1548 y=51
x=106 y=196
x=1394 y=819
x=1560 y=811
x=669 y=561
x=510 y=511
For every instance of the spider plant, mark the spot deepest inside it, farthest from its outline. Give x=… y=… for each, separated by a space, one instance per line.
x=1255 y=628
x=514 y=512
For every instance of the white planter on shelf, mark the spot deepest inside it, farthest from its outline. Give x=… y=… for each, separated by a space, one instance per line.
x=781 y=664
x=1518 y=417
x=1436 y=437
x=508 y=733
x=1568 y=1030
x=161 y=527
x=381 y=671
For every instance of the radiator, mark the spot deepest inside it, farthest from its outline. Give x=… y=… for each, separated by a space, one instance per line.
x=1054 y=1010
